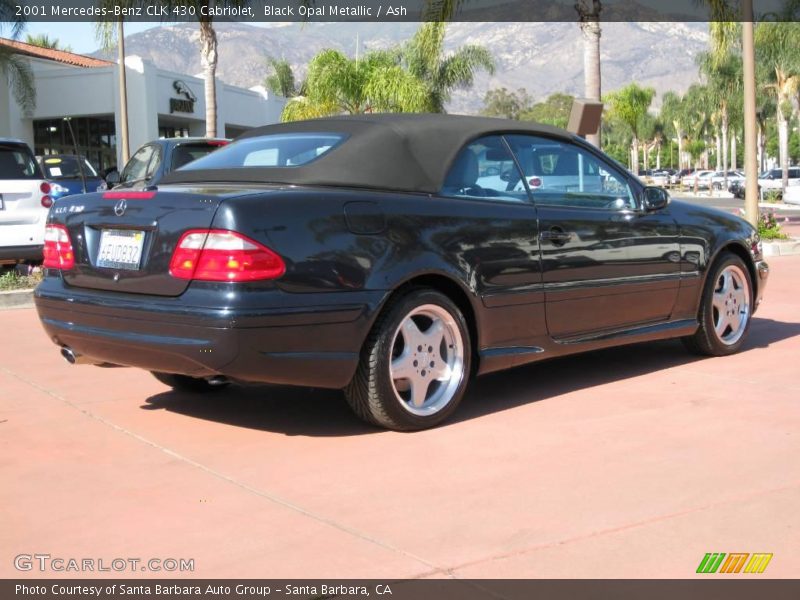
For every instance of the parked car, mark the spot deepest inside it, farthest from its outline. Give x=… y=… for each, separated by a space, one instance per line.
x=677 y=178
x=24 y=202
x=737 y=188
x=718 y=179
x=773 y=179
x=704 y=180
x=150 y=163
x=659 y=178
x=67 y=176
x=375 y=253
x=792 y=195
x=689 y=180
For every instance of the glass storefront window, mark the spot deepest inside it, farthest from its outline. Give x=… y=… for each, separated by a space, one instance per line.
x=96 y=137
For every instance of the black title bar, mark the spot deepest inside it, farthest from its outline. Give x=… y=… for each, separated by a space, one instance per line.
x=395 y=10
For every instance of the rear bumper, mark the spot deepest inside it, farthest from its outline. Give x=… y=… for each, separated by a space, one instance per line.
x=15 y=253
x=316 y=344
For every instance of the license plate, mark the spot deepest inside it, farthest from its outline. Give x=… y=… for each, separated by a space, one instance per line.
x=120 y=249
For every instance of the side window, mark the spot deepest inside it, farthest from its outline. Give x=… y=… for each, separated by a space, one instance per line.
x=155 y=160
x=485 y=169
x=136 y=169
x=563 y=174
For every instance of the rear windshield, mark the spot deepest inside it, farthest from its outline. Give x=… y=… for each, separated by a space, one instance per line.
x=183 y=154
x=279 y=150
x=16 y=162
x=66 y=167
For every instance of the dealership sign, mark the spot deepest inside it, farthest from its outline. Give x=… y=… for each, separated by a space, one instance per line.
x=185 y=104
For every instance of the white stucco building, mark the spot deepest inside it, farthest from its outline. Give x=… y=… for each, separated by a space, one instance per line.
x=160 y=104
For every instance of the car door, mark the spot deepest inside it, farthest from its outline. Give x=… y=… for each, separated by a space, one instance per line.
x=607 y=264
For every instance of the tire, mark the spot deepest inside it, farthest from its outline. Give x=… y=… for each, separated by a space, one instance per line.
x=404 y=341
x=725 y=310
x=184 y=383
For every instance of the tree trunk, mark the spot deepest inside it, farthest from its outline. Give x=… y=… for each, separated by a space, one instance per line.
x=724 y=131
x=749 y=106
x=733 y=151
x=783 y=140
x=718 y=153
x=680 y=148
x=589 y=16
x=635 y=156
x=591 y=68
x=208 y=58
x=658 y=157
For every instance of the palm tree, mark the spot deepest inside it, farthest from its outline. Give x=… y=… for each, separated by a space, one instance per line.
x=724 y=78
x=336 y=84
x=45 y=41
x=629 y=105
x=776 y=52
x=13 y=66
x=673 y=114
x=589 y=15
x=112 y=34
x=209 y=54
x=424 y=58
x=281 y=81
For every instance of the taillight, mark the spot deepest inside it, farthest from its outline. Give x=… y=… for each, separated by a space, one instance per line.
x=221 y=255
x=58 y=253
x=46 y=200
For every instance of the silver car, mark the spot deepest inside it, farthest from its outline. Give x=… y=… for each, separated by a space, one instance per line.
x=24 y=202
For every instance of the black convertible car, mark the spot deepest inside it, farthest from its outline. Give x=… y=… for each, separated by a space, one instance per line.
x=392 y=256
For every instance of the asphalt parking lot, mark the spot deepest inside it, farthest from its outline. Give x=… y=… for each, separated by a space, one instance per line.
x=632 y=462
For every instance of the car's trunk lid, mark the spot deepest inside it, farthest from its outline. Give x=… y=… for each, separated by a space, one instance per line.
x=124 y=241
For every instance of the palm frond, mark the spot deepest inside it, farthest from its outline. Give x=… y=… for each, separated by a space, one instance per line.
x=20 y=79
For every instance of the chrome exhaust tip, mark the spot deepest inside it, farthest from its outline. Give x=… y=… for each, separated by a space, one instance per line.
x=74 y=358
x=69 y=355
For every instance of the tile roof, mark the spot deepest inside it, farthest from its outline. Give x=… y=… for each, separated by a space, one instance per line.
x=70 y=58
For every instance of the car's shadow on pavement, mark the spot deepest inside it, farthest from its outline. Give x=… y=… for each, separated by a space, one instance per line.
x=314 y=412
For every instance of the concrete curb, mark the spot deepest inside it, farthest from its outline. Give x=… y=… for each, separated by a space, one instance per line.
x=782 y=248
x=16 y=299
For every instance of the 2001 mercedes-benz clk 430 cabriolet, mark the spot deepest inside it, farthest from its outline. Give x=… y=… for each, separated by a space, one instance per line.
x=392 y=256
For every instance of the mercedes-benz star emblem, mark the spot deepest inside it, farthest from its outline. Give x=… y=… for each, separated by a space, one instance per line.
x=119 y=208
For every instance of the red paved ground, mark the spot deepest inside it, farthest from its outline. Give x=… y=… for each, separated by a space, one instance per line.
x=631 y=462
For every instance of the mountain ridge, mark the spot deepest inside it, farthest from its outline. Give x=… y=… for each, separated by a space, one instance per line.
x=542 y=57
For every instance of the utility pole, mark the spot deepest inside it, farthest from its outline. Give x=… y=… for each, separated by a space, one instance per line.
x=750 y=124
x=123 y=96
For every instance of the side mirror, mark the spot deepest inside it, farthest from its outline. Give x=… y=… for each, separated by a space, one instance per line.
x=112 y=178
x=654 y=198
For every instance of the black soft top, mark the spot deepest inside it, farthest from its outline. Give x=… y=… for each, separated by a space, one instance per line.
x=402 y=152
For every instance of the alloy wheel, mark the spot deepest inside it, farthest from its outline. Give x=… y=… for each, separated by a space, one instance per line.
x=730 y=304
x=427 y=360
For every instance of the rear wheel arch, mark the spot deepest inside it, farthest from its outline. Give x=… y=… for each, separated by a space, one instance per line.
x=450 y=288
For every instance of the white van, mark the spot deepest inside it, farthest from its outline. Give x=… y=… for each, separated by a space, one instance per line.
x=24 y=202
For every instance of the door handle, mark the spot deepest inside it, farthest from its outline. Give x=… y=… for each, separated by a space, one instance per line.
x=556 y=236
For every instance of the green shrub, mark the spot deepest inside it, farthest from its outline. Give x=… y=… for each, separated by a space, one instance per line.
x=12 y=281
